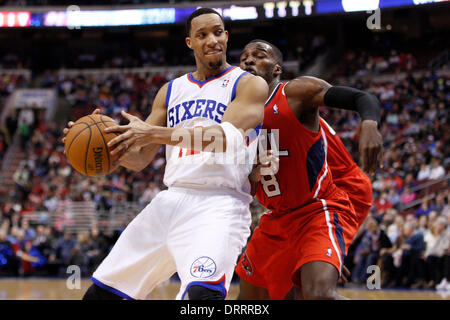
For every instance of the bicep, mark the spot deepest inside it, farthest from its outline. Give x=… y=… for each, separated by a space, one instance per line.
x=158 y=115
x=309 y=92
x=246 y=111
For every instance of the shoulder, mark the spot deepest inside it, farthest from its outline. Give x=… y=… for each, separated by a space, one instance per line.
x=249 y=83
x=305 y=87
x=165 y=88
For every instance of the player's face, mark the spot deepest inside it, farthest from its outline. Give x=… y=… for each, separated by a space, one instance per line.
x=257 y=58
x=208 y=39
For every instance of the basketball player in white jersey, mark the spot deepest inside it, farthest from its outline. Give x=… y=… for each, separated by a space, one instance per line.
x=198 y=226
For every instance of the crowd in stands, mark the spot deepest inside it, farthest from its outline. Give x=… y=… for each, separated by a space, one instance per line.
x=361 y=63
x=407 y=233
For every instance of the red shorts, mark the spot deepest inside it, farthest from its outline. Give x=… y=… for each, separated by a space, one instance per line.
x=358 y=187
x=283 y=243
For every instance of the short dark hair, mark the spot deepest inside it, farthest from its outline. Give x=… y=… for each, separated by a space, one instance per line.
x=197 y=13
x=276 y=52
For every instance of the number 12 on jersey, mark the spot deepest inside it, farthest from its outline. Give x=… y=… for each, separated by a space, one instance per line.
x=189 y=152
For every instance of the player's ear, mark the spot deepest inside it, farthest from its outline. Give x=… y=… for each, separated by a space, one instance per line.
x=277 y=70
x=188 y=42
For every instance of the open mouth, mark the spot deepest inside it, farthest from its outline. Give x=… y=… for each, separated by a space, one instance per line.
x=251 y=71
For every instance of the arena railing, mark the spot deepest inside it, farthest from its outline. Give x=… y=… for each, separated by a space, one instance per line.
x=78 y=216
x=427 y=189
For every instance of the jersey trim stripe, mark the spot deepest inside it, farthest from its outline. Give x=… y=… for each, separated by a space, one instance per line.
x=325 y=142
x=233 y=93
x=325 y=147
x=169 y=91
x=330 y=233
x=315 y=161
x=111 y=289
x=320 y=180
x=339 y=235
x=254 y=134
x=202 y=83
x=273 y=94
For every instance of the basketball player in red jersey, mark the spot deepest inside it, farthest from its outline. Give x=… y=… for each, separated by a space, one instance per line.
x=303 y=239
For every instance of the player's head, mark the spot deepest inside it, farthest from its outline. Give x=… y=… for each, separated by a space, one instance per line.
x=207 y=37
x=262 y=58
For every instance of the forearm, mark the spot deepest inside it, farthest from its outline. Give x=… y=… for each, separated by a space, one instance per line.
x=140 y=158
x=254 y=177
x=26 y=257
x=366 y=104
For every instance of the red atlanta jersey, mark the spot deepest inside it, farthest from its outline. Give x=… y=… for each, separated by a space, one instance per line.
x=339 y=160
x=304 y=177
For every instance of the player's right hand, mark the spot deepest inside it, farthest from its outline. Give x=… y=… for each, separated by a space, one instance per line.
x=370 y=147
x=70 y=124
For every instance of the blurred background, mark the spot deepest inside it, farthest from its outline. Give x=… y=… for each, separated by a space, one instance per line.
x=59 y=60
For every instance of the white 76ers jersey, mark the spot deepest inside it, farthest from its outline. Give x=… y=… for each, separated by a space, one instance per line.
x=192 y=103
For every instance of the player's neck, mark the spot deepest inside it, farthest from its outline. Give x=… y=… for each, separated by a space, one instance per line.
x=202 y=73
x=273 y=85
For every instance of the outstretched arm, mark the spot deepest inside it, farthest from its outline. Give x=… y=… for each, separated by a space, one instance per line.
x=245 y=112
x=308 y=93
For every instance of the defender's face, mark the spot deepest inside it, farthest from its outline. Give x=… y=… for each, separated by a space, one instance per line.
x=257 y=59
x=208 y=39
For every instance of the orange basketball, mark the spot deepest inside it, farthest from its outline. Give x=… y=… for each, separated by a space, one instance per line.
x=86 y=145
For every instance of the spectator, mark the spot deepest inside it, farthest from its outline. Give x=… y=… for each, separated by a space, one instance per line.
x=423 y=225
x=382 y=204
x=11 y=125
x=393 y=197
x=407 y=196
x=79 y=254
x=412 y=250
x=62 y=252
x=97 y=249
x=25 y=122
x=424 y=173
x=437 y=171
x=22 y=178
x=391 y=257
x=6 y=254
x=424 y=208
x=30 y=258
x=437 y=243
x=368 y=252
x=30 y=233
x=445 y=283
x=439 y=203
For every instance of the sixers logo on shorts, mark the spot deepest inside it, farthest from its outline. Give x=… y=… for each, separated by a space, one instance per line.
x=246 y=264
x=203 y=267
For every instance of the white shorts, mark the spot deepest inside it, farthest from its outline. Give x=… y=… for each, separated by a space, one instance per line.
x=197 y=233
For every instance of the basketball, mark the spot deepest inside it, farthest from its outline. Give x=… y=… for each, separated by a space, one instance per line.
x=86 y=145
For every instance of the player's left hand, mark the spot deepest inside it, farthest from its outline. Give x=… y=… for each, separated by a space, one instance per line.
x=133 y=135
x=370 y=147
x=344 y=275
x=268 y=164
